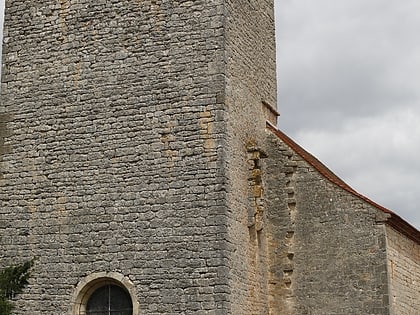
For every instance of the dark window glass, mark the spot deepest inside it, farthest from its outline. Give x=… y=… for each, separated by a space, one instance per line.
x=109 y=300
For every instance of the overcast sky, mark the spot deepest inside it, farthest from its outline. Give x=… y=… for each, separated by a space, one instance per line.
x=349 y=92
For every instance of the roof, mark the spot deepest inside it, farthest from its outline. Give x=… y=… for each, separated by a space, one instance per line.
x=392 y=219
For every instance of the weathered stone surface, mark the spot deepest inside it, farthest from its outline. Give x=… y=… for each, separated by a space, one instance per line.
x=133 y=145
x=403 y=273
x=118 y=158
x=327 y=250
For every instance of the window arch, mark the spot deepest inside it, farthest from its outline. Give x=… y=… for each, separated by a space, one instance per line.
x=109 y=299
x=105 y=294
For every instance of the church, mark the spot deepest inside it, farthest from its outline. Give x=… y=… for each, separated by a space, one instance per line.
x=141 y=166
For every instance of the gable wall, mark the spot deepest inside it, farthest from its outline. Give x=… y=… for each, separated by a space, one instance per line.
x=327 y=250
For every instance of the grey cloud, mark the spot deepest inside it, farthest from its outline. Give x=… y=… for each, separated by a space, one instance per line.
x=377 y=156
x=355 y=62
x=348 y=75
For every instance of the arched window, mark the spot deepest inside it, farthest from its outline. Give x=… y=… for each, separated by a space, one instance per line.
x=108 y=300
x=105 y=293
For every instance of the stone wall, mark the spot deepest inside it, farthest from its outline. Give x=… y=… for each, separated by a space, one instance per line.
x=133 y=143
x=129 y=134
x=403 y=272
x=250 y=79
x=115 y=141
x=327 y=246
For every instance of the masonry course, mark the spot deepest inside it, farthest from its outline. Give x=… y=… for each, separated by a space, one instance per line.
x=134 y=149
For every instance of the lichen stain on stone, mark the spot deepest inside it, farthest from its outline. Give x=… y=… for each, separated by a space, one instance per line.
x=4 y=132
x=64 y=7
x=167 y=138
x=60 y=210
x=76 y=75
x=207 y=128
x=31 y=207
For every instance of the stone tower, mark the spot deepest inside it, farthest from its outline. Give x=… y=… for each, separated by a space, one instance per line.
x=130 y=137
